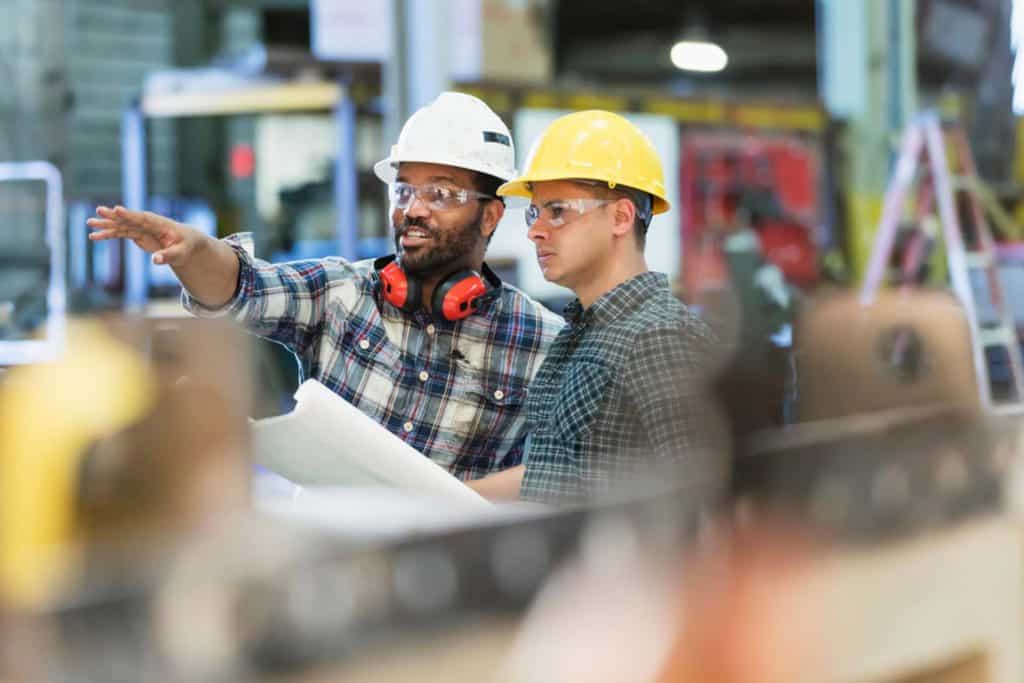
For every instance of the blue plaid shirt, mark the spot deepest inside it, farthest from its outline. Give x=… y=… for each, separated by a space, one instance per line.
x=621 y=401
x=454 y=391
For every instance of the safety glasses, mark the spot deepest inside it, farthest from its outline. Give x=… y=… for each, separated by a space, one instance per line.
x=559 y=212
x=437 y=197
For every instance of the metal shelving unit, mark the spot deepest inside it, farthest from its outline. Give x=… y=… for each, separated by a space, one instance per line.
x=261 y=98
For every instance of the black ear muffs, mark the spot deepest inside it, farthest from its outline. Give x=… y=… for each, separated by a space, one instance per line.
x=398 y=289
x=458 y=295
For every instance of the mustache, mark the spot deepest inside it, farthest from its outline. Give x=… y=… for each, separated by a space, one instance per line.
x=410 y=223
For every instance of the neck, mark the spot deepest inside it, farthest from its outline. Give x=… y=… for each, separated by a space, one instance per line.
x=623 y=267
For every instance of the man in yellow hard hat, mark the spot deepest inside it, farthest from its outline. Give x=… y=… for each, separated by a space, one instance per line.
x=619 y=398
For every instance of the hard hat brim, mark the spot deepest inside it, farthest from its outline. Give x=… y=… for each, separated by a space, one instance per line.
x=520 y=187
x=387 y=169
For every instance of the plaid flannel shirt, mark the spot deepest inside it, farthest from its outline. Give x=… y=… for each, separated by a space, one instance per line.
x=454 y=391
x=620 y=399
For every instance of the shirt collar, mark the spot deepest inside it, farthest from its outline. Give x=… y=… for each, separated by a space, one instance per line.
x=622 y=299
x=492 y=298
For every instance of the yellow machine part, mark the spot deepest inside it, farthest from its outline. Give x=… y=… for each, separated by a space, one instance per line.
x=50 y=414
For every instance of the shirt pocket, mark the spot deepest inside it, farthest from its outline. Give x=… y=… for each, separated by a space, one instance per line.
x=585 y=388
x=483 y=406
x=372 y=372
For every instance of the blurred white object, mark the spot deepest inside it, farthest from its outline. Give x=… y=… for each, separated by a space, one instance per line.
x=328 y=441
x=44 y=206
x=380 y=513
x=702 y=56
x=351 y=30
x=267 y=485
x=588 y=616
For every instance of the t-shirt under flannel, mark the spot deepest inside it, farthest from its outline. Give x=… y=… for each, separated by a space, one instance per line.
x=453 y=390
x=620 y=396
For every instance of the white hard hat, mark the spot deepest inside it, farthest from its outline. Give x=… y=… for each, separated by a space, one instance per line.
x=454 y=130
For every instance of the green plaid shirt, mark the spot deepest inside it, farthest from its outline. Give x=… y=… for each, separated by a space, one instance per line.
x=454 y=391
x=620 y=398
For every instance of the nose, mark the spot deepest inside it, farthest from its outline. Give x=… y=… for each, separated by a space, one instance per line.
x=538 y=232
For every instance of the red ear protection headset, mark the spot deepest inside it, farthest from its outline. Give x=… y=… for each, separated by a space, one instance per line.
x=456 y=297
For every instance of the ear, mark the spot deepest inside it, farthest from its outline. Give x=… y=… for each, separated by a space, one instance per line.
x=493 y=211
x=624 y=216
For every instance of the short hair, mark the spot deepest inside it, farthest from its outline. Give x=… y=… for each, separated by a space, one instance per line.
x=642 y=202
x=488 y=185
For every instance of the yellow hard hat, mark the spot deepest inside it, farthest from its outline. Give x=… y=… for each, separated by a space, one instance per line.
x=593 y=145
x=49 y=416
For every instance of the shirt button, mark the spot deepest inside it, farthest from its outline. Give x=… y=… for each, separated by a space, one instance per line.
x=498 y=395
x=407 y=426
x=424 y=376
x=431 y=330
x=364 y=344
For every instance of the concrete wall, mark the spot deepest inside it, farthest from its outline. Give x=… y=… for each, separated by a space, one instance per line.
x=31 y=71
x=72 y=66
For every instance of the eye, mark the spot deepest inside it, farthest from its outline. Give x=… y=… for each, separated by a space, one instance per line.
x=402 y=193
x=442 y=194
x=532 y=214
x=557 y=211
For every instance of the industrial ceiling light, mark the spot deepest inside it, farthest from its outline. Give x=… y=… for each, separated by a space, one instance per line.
x=699 y=55
x=695 y=51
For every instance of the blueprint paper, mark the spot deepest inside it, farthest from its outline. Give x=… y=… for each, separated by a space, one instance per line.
x=326 y=441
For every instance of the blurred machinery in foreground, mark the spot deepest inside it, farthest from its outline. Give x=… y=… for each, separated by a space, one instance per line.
x=882 y=513
x=133 y=441
x=872 y=541
x=890 y=437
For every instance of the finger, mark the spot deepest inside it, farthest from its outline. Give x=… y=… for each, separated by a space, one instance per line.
x=139 y=218
x=115 y=228
x=101 y=224
x=112 y=216
x=171 y=255
x=104 y=235
x=145 y=223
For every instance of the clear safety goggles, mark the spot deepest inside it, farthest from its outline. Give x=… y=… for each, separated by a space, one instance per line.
x=435 y=196
x=559 y=212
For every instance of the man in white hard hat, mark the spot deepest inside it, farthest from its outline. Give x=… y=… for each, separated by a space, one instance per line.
x=429 y=341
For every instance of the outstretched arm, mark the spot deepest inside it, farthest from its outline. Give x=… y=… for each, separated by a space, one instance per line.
x=206 y=267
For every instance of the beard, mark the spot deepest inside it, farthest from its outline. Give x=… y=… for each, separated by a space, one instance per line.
x=447 y=251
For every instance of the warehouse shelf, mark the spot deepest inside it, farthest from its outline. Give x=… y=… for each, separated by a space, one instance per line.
x=239 y=99
x=777 y=116
x=258 y=99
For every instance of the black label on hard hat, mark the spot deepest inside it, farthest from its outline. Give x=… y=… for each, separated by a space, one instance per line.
x=500 y=138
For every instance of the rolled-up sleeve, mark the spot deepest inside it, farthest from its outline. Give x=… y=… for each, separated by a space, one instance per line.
x=243 y=246
x=284 y=302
